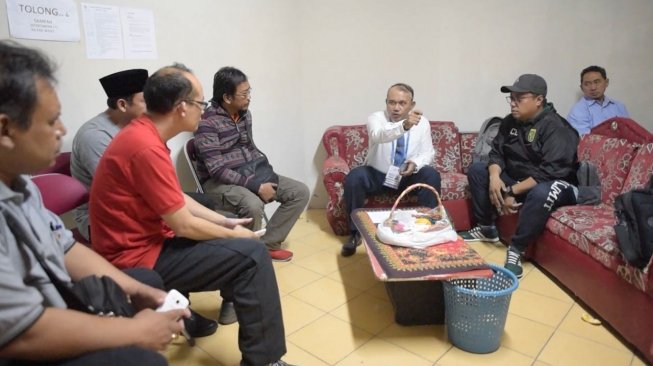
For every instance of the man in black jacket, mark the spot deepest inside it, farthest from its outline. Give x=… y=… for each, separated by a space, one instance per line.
x=532 y=169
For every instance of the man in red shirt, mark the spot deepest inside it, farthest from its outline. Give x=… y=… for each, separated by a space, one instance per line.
x=141 y=218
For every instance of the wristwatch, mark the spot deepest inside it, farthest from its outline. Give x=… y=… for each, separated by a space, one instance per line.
x=509 y=191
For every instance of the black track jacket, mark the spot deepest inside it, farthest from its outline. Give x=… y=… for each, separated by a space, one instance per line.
x=544 y=148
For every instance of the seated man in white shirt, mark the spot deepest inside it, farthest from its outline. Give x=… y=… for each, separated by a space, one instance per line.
x=400 y=153
x=594 y=107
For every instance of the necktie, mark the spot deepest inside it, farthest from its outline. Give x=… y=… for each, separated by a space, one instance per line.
x=400 y=151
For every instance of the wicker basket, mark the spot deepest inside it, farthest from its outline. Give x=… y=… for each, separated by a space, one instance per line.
x=401 y=228
x=476 y=310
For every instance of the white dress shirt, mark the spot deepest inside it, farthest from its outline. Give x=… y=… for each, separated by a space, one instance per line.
x=383 y=133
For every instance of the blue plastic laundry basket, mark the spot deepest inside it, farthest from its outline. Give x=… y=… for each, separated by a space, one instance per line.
x=476 y=310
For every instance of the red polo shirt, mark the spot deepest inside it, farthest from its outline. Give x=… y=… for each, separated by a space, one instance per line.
x=134 y=184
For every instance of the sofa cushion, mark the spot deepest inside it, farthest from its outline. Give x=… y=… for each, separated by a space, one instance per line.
x=356 y=143
x=454 y=186
x=446 y=142
x=641 y=168
x=612 y=157
x=591 y=230
x=467 y=143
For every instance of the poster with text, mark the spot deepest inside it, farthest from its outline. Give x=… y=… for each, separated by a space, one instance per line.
x=102 y=31
x=50 y=20
x=138 y=33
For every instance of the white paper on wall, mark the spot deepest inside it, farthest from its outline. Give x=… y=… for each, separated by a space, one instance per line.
x=102 y=31
x=50 y=20
x=138 y=33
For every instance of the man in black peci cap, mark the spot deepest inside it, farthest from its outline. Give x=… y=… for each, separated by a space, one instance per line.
x=125 y=102
x=532 y=169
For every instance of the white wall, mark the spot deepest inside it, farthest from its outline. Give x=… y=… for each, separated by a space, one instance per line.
x=258 y=36
x=456 y=54
x=316 y=63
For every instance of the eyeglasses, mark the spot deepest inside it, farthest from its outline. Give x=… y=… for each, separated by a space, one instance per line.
x=202 y=104
x=246 y=94
x=519 y=100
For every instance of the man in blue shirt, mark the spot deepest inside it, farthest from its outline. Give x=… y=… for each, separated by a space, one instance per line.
x=594 y=107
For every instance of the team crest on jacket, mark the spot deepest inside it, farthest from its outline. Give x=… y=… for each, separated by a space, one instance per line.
x=531 y=134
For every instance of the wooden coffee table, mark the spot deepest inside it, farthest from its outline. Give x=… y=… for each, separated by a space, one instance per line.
x=413 y=277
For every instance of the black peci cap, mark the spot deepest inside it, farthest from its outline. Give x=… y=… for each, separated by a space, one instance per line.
x=124 y=83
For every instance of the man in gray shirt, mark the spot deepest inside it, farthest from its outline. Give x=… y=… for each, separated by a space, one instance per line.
x=125 y=102
x=35 y=322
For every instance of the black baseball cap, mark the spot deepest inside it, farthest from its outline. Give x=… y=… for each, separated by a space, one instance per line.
x=527 y=83
x=124 y=83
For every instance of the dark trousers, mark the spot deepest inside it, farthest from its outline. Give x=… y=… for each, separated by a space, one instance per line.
x=536 y=209
x=364 y=181
x=242 y=270
x=124 y=356
x=146 y=276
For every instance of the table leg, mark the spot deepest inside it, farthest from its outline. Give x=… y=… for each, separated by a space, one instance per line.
x=417 y=302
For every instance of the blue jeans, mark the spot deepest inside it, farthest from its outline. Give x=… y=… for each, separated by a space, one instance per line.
x=538 y=203
x=364 y=181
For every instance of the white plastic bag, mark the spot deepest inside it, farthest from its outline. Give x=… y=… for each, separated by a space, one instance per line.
x=415 y=237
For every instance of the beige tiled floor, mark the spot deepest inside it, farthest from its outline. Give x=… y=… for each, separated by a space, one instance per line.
x=336 y=313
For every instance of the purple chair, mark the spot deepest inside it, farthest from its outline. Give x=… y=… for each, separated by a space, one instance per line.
x=62 y=193
x=61 y=165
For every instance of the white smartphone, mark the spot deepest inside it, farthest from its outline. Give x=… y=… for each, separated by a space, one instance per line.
x=260 y=233
x=174 y=300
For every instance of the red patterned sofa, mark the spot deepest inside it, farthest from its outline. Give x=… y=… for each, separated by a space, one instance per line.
x=579 y=247
x=346 y=148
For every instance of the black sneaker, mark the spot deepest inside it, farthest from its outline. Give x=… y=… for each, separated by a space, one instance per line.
x=227 y=313
x=489 y=234
x=513 y=262
x=199 y=326
x=349 y=248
